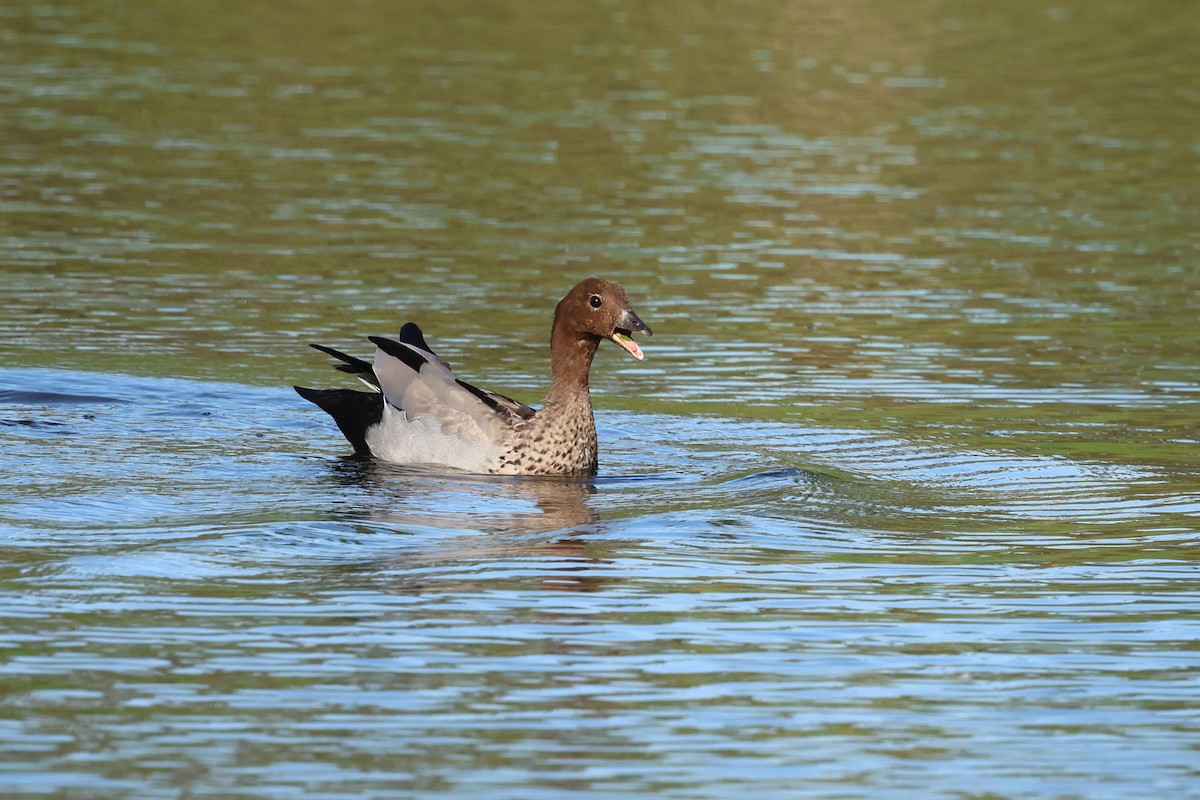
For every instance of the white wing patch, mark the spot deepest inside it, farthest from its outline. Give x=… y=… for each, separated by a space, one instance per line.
x=423 y=441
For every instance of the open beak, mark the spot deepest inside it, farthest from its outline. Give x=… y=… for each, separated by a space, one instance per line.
x=626 y=327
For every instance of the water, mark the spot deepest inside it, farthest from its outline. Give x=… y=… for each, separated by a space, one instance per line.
x=902 y=502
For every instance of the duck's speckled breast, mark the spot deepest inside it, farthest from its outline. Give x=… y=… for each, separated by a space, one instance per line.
x=559 y=440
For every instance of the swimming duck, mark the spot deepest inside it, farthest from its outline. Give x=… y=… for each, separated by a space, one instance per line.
x=419 y=413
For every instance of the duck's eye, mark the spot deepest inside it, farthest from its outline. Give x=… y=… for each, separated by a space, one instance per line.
x=596 y=301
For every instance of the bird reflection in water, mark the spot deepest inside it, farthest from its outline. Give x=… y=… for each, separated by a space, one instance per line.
x=489 y=524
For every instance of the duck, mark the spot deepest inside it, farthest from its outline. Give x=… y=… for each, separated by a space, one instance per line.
x=416 y=412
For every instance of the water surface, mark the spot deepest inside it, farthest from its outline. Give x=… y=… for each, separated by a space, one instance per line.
x=902 y=502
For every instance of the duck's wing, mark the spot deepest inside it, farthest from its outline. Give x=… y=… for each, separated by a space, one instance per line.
x=514 y=407
x=420 y=384
x=410 y=334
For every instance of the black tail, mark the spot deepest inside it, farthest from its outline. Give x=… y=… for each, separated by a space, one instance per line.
x=354 y=412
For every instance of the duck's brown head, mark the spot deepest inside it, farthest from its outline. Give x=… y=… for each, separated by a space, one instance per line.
x=598 y=309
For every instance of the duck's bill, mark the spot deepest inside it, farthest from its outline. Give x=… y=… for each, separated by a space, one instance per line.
x=626 y=341
x=623 y=335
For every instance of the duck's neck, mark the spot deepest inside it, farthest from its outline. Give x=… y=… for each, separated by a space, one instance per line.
x=570 y=362
x=564 y=429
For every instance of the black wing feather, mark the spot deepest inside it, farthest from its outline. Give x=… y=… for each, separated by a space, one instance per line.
x=411 y=334
x=350 y=364
x=350 y=361
x=411 y=357
x=482 y=395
